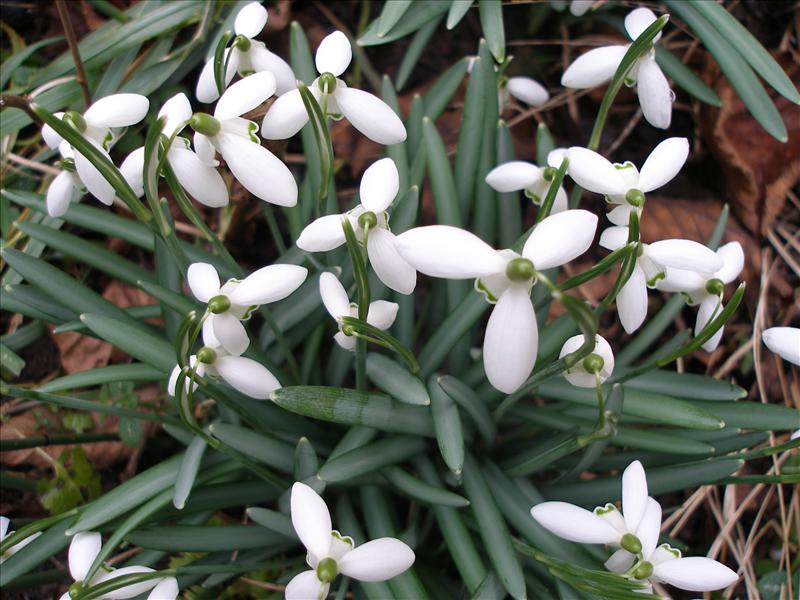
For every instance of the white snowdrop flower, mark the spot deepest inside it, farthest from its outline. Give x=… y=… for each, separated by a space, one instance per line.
x=624 y=184
x=366 y=112
x=705 y=288
x=600 y=361
x=233 y=302
x=693 y=573
x=652 y=264
x=597 y=66
x=580 y=7
x=785 y=342
x=379 y=186
x=505 y=277
x=381 y=313
x=330 y=553
x=85 y=547
x=95 y=125
x=535 y=181
x=246 y=56
x=199 y=178
x=226 y=132
x=527 y=90
x=4 y=525
x=66 y=186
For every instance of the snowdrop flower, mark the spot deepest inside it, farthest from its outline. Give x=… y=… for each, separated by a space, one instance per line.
x=527 y=90
x=66 y=186
x=785 y=342
x=85 y=547
x=705 y=288
x=367 y=113
x=200 y=179
x=580 y=7
x=246 y=55
x=597 y=66
x=505 y=277
x=256 y=168
x=4 y=524
x=535 y=181
x=381 y=313
x=230 y=304
x=623 y=184
x=96 y=124
x=379 y=186
x=650 y=269
x=598 y=366
x=330 y=553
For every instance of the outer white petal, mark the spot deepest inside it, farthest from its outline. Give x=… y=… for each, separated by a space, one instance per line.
x=177 y=110
x=655 y=95
x=379 y=185
x=205 y=150
x=593 y=172
x=203 y=281
x=377 y=560
x=664 y=162
x=258 y=170
x=4 y=522
x=264 y=60
x=322 y=234
x=594 y=67
x=202 y=182
x=117 y=110
x=528 y=90
x=695 y=573
x=206 y=90
x=231 y=333
x=680 y=280
x=287 y=115
x=311 y=520
x=634 y=495
x=201 y=368
x=620 y=215
x=371 y=116
x=709 y=307
x=620 y=561
x=167 y=589
x=49 y=135
x=560 y=238
x=333 y=54
x=132 y=169
x=97 y=185
x=732 y=257
x=649 y=527
x=334 y=296
x=268 y=284
x=245 y=95
x=389 y=266
x=632 y=301
x=346 y=342
x=783 y=341
x=83 y=549
x=382 y=313
x=511 y=340
x=638 y=20
x=513 y=176
x=247 y=376
x=129 y=591
x=577 y=375
x=684 y=254
x=59 y=194
x=306 y=586
x=574 y=523
x=250 y=20
x=614 y=238
x=448 y=252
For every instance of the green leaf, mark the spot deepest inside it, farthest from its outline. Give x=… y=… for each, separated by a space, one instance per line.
x=441 y=178
x=467 y=399
x=272 y=520
x=420 y=12
x=178 y=302
x=458 y=10
x=75 y=482
x=396 y=381
x=423 y=492
x=140 y=344
x=11 y=365
x=306 y=462
x=259 y=447
x=390 y=15
x=187 y=473
x=686 y=385
x=442 y=91
x=397 y=152
x=685 y=78
x=49 y=544
x=544 y=144
x=19 y=57
x=213 y=538
x=366 y=459
x=491 y=14
x=415 y=49
x=447 y=424
x=753 y=415
x=509 y=214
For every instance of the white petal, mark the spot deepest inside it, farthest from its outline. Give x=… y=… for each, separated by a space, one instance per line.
x=632 y=301
x=732 y=257
x=377 y=560
x=379 y=185
x=287 y=115
x=513 y=176
x=204 y=149
x=655 y=95
x=268 y=284
x=371 y=116
x=200 y=370
x=696 y=574
x=594 y=173
x=177 y=111
x=245 y=95
x=49 y=135
x=59 y=194
x=511 y=340
x=203 y=281
x=574 y=523
x=620 y=561
x=389 y=266
x=709 y=308
x=649 y=527
x=117 y=110
x=247 y=376
x=679 y=280
x=560 y=204
x=528 y=90
x=306 y=586
x=594 y=67
x=684 y=254
x=167 y=589
x=129 y=591
x=560 y=238
x=97 y=185
x=333 y=54
x=346 y=342
x=580 y=7
x=577 y=375
x=83 y=549
x=206 y=90
x=250 y=20
x=620 y=215
x=634 y=495
x=264 y=60
x=231 y=333
x=132 y=169
x=201 y=182
x=4 y=522
x=638 y=20
x=556 y=157
x=783 y=341
x=334 y=296
x=258 y=170
x=448 y=252
x=663 y=164
x=322 y=234
x=614 y=238
x=382 y=313
x=311 y=520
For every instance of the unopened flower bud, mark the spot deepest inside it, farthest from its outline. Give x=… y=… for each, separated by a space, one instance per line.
x=520 y=269
x=219 y=304
x=205 y=124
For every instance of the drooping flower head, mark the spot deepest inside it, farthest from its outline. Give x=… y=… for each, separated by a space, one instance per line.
x=4 y=526
x=527 y=90
x=785 y=342
x=598 y=366
x=533 y=180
